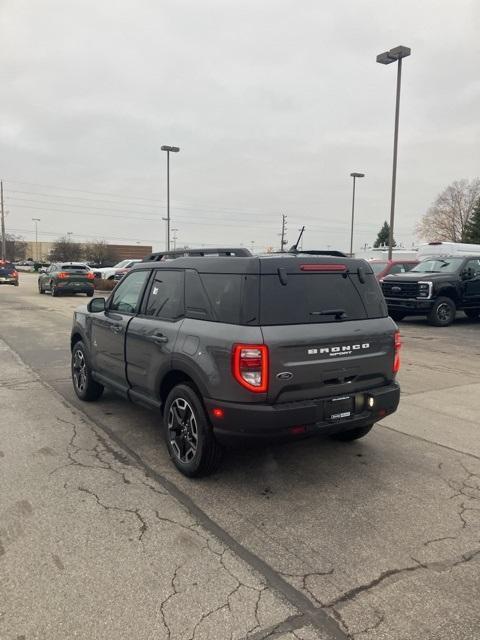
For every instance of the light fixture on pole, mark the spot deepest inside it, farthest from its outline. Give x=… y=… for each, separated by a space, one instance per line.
x=169 y=150
x=387 y=57
x=36 y=221
x=354 y=175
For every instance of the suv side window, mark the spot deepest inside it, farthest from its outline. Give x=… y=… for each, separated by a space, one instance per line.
x=165 y=299
x=408 y=265
x=397 y=268
x=474 y=265
x=126 y=296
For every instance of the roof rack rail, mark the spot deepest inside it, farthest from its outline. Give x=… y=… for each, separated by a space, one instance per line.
x=235 y=252
x=319 y=252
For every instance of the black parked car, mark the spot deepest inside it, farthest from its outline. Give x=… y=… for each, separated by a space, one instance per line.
x=232 y=347
x=8 y=273
x=436 y=288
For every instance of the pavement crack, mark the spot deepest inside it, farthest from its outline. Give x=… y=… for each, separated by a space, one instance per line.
x=135 y=512
x=380 y=619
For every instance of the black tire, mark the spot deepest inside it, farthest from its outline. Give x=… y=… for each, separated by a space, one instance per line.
x=397 y=316
x=352 y=434
x=85 y=386
x=54 y=291
x=473 y=314
x=188 y=433
x=90 y=294
x=442 y=314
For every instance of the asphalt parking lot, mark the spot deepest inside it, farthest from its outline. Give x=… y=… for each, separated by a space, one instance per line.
x=377 y=539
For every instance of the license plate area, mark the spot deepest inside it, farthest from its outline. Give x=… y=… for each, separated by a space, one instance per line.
x=339 y=408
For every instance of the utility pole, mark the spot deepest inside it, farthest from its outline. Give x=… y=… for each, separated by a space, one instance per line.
x=36 y=221
x=283 y=241
x=174 y=238
x=4 y=239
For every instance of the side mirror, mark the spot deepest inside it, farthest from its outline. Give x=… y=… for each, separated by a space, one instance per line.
x=96 y=305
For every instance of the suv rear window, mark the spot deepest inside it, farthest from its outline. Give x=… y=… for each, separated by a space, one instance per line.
x=74 y=267
x=302 y=299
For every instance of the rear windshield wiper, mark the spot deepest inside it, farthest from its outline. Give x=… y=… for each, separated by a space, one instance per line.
x=338 y=313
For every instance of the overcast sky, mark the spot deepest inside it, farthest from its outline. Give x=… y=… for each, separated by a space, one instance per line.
x=272 y=102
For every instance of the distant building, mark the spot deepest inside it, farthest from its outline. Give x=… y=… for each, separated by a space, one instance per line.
x=41 y=250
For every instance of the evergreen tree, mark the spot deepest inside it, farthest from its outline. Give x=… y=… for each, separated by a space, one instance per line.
x=472 y=231
x=383 y=235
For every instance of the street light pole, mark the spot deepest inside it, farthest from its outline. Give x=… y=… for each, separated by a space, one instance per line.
x=354 y=175
x=395 y=54
x=36 y=221
x=169 y=150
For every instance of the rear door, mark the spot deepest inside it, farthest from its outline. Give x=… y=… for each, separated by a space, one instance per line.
x=328 y=334
x=108 y=329
x=152 y=334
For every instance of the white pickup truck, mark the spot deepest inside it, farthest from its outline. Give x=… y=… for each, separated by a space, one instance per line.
x=108 y=273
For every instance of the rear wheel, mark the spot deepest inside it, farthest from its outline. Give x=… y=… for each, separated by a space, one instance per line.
x=353 y=434
x=90 y=294
x=188 y=433
x=85 y=386
x=472 y=313
x=54 y=290
x=398 y=316
x=40 y=288
x=443 y=312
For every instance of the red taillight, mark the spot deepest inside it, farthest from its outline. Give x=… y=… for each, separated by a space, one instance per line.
x=250 y=366
x=323 y=267
x=15 y=274
x=62 y=275
x=91 y=275
x=397 y=347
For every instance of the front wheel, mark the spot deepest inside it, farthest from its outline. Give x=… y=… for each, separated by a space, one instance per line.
x=353 y=434
x=473 y=314
x=85 y=386
x=188 y=433
x=443 y=312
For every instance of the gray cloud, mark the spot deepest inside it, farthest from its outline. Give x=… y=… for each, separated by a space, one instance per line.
x=273 y=104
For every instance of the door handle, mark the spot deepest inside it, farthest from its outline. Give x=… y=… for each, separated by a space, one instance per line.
x=116 y=328
x=158 y=338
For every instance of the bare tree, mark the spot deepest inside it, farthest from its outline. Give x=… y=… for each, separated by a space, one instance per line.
x=16 y=247
x=98 y=252
x=448 y=217
x=65 y=249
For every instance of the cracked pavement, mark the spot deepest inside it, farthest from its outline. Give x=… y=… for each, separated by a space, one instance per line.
x=315 y=540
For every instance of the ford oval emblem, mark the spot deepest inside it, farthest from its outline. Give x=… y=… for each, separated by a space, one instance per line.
x=285 y=375
x=397 y=289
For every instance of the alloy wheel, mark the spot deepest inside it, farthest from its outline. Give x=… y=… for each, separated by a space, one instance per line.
x=444 y=312
x=79 y=370
x=182 y=430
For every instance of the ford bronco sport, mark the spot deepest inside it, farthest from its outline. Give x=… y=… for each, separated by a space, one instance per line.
x=240 y=346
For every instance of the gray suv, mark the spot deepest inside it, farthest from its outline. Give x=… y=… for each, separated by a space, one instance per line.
x=240 y=346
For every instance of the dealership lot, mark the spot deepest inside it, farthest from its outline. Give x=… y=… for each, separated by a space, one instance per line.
x=375 y=539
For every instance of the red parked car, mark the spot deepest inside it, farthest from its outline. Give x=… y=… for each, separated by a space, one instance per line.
x=382 y=268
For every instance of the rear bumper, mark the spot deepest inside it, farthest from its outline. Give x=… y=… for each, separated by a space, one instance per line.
x=410 y=305
x=7 y=280
x=257 y=421
x=75 y=287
